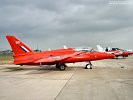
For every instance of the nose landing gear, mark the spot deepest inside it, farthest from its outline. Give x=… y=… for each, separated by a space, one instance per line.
x=89 y=65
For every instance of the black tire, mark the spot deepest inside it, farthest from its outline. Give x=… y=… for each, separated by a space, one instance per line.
x=62 y=67
x=116 y=56
x=86 y=67
x=57 y=66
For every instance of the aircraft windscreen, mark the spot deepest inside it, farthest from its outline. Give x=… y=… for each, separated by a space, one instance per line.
x=84 y=48
x=118 y=49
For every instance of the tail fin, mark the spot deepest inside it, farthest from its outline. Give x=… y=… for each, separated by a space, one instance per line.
x=100 y=49
x=17 y=46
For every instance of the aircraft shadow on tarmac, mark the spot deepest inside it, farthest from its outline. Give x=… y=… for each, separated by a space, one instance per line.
x=34 y=70
x=10 y=69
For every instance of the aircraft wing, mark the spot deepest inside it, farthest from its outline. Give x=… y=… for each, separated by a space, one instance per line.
x=51 y=59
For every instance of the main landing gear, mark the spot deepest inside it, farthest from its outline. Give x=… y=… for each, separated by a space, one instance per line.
x=89 y=65
x=61 y=66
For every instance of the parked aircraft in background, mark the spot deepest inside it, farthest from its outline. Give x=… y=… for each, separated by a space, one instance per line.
x=116 y=51
x=23 y=55
x=82 y=48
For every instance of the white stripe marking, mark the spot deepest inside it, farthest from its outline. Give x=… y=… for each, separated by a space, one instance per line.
x=25 y=49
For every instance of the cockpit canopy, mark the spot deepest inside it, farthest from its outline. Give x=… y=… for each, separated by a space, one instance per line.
x=118 y=49
x=84 y=48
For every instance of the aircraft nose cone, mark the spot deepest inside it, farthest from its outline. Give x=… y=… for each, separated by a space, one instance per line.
x=108 y=55
x=105 y=55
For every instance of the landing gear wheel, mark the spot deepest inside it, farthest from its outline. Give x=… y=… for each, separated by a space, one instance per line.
x=57 y=66
x=86 y=67
x=116 y=57
x=62 y=67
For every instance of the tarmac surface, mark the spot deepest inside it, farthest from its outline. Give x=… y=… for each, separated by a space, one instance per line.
x=110 y=79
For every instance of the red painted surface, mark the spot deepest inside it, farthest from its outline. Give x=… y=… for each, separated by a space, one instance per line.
x=23 y=55
x=121 y=53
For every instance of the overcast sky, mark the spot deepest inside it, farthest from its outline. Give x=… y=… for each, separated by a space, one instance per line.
x=54 y=23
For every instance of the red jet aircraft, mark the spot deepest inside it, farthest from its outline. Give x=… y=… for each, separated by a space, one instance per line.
x=120 y=52
x=116 y=51
x=23 y=55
